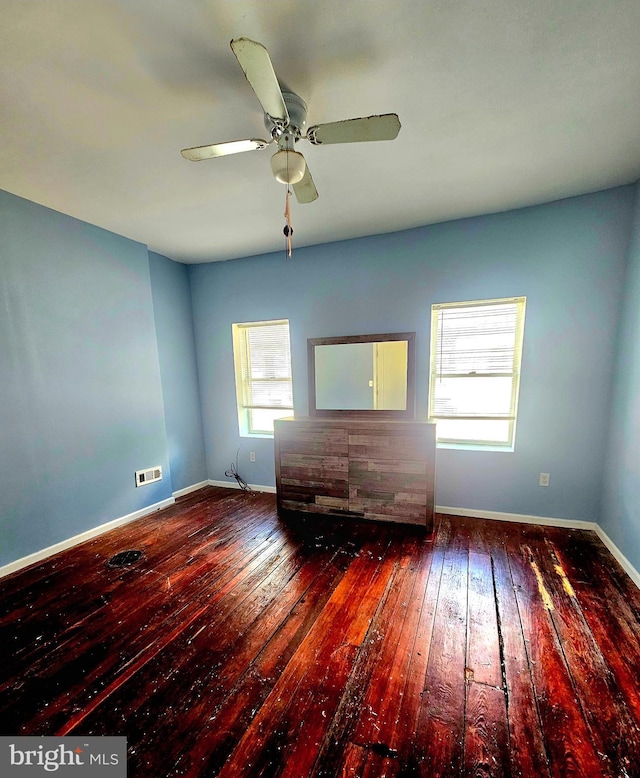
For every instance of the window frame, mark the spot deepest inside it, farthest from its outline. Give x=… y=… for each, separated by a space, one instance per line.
x=514 y=374
x=242 y=367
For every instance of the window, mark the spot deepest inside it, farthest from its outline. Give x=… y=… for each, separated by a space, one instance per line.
x=476 y=350
x=262 y=360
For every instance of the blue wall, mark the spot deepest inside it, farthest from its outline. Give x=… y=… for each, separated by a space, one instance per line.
x=176 y=350
x=567 y=257
x=80 y=393
x=620 y=516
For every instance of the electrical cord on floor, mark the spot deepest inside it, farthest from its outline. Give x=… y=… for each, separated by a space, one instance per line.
x=232 y=472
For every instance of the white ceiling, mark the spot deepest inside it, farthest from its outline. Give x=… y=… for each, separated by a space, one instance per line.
x=503 y=103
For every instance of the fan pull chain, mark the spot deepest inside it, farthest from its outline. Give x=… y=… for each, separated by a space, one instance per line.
x=288 y=230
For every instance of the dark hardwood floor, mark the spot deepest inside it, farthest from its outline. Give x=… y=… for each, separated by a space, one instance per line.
x=243 y=645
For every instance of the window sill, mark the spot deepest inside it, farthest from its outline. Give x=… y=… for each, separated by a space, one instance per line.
x=476 y=447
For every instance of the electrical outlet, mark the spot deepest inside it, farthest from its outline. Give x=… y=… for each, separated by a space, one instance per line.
x=544 y=479
x=252 y=456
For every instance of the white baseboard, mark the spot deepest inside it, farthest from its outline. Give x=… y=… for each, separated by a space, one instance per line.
x=547 y=521
x=622 y=560
x=522 y=518
x=236 y=485
x=189 y=489
x=39 y=556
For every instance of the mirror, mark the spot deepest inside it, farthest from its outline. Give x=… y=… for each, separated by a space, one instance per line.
x=362 y=375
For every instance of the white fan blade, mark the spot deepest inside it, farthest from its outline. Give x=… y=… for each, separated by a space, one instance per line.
x=385 y=127
x=198 y=153
x=305 y=190
x=255 y=62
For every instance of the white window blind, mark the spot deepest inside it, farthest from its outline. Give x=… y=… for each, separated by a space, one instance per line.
x=475 y=370
x=263 y=374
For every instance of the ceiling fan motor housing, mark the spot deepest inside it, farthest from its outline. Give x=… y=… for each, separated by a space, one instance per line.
x=297 y=110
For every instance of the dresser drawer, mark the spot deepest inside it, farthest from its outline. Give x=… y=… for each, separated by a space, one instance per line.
x=380 y=445
x=308 y=439
x=383 y=489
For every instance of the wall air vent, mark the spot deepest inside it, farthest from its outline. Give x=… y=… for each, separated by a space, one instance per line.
x=148 y=476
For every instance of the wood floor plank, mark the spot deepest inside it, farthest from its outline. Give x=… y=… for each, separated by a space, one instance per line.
x=243 y=644
x=486 y=744
x=483 y=639
x=391 y=747
x=440 y=731
x=609 y=620
x=613 y=731
x=594 y=569
x=388 y=694
x=526 y=741
x=567 y=737
x=404 y=737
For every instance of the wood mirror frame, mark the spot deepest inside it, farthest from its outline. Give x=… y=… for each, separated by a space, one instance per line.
x=408 y=412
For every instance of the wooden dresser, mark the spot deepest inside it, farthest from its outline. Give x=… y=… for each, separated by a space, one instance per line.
x=369 y=469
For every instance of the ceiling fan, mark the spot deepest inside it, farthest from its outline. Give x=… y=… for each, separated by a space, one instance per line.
x=285 y=117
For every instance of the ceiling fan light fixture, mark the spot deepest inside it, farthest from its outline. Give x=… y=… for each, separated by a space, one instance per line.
x=288 y=166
